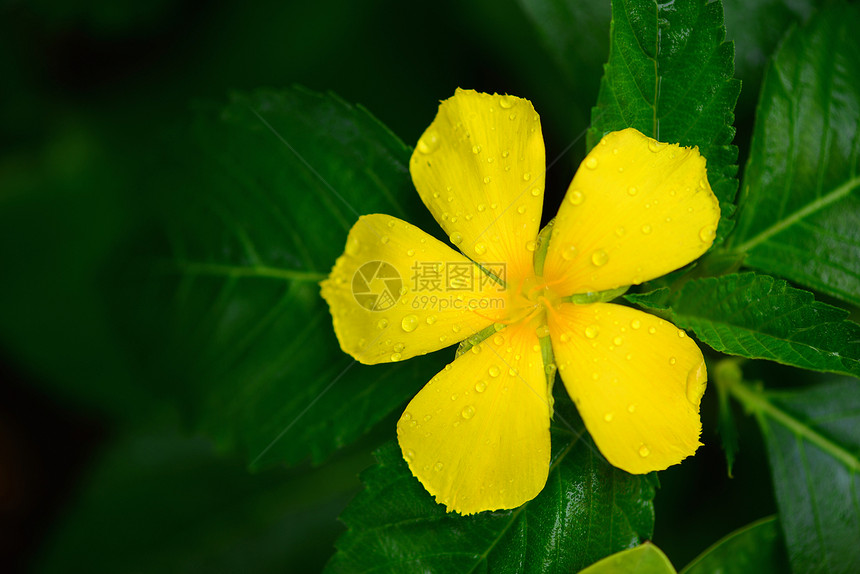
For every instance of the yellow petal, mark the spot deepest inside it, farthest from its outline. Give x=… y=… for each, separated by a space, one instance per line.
x=636 y=379
x=477 y=436
x=479 y=168
x=397 y=292
x=636 y=209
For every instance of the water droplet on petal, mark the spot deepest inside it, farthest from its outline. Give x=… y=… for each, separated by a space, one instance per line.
x=635 y=323
x=568 y=253
x=599 y=258
x=487 y=179
x=480 y=386
x=438 y=467
x=592 y=331
x=456 y=238
x=482 y=207
x=494 y=371
x=681 y=333
x=707 y=233
x=646 y=229
x=620 y=231
x=591 y=163
x=382 y=323
x=476 y=149
x=617 y=341
x=536 y=191
x=499 y=339
x=431 y=319
x=608 y=417
x=468 y=412
x=521 y=209
x=632 y=190
x=564 y=337
x=410 y=252
x=550 y=368
x=527 y=176
x=696 y=381
x=506 y=102
x=644 y=451
x=631 y=408
x=383 y=239
x=395 y=357
x=476 y=349
x=480 y=248
x=353 y=246
x=652 y=330
x=531 y=245
x=408 y=455
x=428 y=142
x=399 y=347
x=409 y=323
x=672 y=360
x=576 y=197
x=542 y=331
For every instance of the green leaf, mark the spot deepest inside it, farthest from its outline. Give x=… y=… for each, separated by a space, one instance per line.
x=587 y=510
x=799 y=211
x=156 y=501
x=669 y=76
x=757 y=547
x=247 y=342
x=644 y=559
x=813 y=447
x=759 y=317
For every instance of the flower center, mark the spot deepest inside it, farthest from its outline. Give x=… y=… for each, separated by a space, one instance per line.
x=529 y=299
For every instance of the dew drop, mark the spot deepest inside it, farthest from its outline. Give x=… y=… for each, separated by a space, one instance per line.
x=383 y=239
x=399 y=347
x=456 y=238
x=696 y=384
x=438 y=467
x=620 y=231
x=428 y=142
x=542 y=331
x=410 y=252
x=506 y=102
x=608 y=417
x=591 y=163
x=681 y=333
x=646 y=229
x=487 y=179
x=531 y=245
x=476 y=349
x=353 y=246
x=550 y=369
x=395 y=357
x=476 y=149
x=672 y=360
x=467 y=412
x=592 y=331
x=494 y=371
x=527 y=176
x=430 y=319
x=632 y=190
x=409 y=323
x=480 y=386
x=599 y=258
x=575 y=197
x=535 y=191
x=382 y=323
x=707 y=233
x=652 y=330
x=482 y=207
x=568 y=253
x=407 y=416
x=506 y=153
x=408 y=455
x=480 y=248
x=499 y=339
x=513 y=372
x=631 y=408
x=655 y=146
x=644 y=451
x=521 y=209
x=617 y=341
x=564 y=337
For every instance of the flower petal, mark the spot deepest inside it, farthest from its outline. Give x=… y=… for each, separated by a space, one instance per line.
x=477 y=436
x=636 y=379
x=397 y=292
x=479 y=168
x=636 y=209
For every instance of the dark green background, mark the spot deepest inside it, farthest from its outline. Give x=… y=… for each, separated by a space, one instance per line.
x=95 y=103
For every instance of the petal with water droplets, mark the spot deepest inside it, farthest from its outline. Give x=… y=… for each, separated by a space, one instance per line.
x=479 y=168
x=397 y=292
x=636 y=210
x=636 y=379
x=477 y=435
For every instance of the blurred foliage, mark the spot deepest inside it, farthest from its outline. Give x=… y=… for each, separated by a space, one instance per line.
x=97 y=116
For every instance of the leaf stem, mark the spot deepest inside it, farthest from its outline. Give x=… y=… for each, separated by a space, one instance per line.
x=757 y=402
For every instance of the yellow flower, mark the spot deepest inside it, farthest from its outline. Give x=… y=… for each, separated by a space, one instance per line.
x=477 y=436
